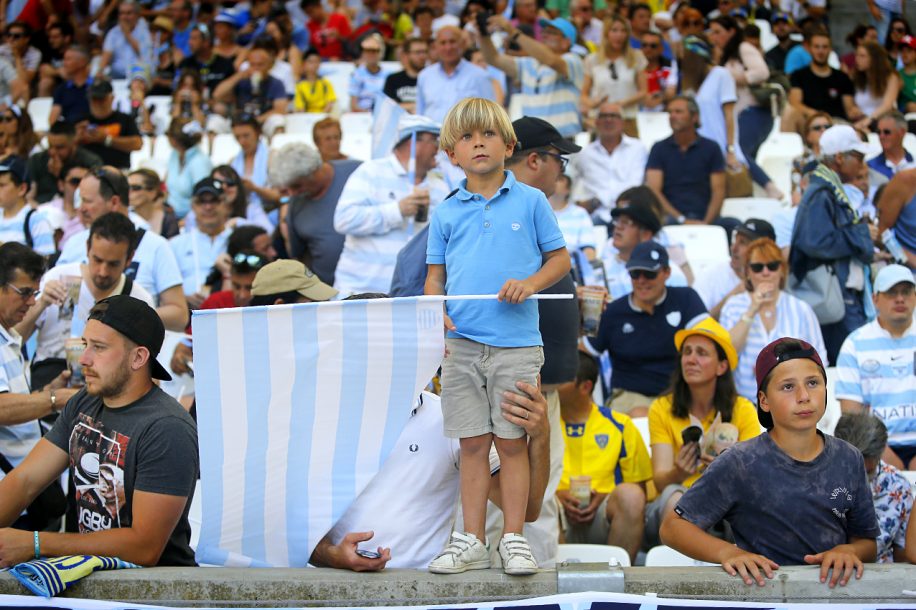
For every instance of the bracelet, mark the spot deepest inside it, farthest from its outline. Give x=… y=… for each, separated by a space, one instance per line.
x=37 y=546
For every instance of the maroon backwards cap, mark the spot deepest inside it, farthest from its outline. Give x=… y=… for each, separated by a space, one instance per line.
x=767 y=360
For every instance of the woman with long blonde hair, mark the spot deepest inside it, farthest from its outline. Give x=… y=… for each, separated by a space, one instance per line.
x=616 y=73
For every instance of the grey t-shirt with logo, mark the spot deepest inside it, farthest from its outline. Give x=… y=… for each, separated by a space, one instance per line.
x=782 y=508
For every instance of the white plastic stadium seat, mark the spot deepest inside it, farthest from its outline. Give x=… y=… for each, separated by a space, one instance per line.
x=225 y=148
x=303 y=122
x=781 y=144
x=743 y=208
x=665 y=556
x=39 y=108
x=653 y=126
x=704 y=245
x=592 y=553
x=832 y=415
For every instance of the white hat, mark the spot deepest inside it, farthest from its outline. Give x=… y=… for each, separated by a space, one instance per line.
x=416 y=123
x=892 y=275
x=841 y=139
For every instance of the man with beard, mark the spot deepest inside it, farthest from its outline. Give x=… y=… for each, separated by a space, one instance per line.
x=402 y=86
x=120 y=425
x=60 y=312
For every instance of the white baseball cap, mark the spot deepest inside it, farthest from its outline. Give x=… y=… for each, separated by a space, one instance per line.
x=841 y=139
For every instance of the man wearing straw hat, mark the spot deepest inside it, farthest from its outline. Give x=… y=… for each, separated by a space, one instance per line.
x=386 y=201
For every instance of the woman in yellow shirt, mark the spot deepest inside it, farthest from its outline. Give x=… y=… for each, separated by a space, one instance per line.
x=314 y=93
x=702 y=388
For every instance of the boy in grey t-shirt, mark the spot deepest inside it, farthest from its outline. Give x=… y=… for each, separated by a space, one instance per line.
x=792 y=496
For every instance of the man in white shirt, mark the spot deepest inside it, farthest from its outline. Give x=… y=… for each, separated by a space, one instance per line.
x=726 y=279
x=56 y=315
x=153 y=266
x=608 y=166
x=197 y=249
x=383 y=205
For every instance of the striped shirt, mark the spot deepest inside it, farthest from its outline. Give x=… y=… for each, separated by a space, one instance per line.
x=15 y=441
x=11 y=229
x=551 y=96
x=794 y=318
x=879 y=371
x=576 y=226
x=369 y=215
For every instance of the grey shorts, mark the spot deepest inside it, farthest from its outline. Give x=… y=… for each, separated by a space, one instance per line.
x=474 y=377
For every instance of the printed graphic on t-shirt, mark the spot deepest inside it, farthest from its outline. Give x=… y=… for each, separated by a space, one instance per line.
x=97 y=462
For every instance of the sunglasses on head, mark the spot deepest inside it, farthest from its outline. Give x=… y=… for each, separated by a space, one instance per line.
x=758 y=267
x=635 y=274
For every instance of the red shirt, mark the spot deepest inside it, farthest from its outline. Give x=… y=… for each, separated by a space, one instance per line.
x=327 y=46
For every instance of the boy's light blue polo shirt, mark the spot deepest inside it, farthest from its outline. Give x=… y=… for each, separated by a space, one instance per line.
x=484 y=243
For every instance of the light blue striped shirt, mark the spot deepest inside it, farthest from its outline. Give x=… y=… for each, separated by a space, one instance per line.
x=11 y=229
x=549 y=95
x=15 y=441
x=879 y=371
x=794 y=318
x=369 y=215
x=577 y=227
x=196 y=252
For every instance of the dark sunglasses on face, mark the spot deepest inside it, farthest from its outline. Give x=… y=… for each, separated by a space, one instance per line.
x=635 y=274
x=758 y=267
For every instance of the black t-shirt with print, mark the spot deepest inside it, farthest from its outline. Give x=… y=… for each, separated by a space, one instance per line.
x=149 y=445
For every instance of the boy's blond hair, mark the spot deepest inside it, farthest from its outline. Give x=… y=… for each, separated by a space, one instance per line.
x=475 y=113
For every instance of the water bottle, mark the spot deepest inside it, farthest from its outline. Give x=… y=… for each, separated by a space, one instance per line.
x=893 y=246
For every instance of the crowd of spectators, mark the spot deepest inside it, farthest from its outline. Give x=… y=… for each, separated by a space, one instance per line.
x=86 y=218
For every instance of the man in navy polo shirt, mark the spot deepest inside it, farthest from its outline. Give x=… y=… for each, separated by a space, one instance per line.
x=638 y=331
x=686 y=170
x=71 y=97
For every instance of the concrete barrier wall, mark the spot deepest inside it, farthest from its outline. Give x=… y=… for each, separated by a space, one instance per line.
x=323 y=587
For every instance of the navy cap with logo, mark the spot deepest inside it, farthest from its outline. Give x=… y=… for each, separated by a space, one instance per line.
x=641 y=214
x=15 y=166
x=533 y=132
x=755 y=228
x=208 y=186
x=138 y=322
x=768 y=359
x=648 y=256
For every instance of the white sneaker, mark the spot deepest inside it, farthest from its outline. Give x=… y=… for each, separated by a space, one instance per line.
x=464 y=552
x=516 y=555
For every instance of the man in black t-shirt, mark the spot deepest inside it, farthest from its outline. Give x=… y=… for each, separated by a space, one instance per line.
x=213 y=68
x=402 y=86
x=819 y=88
x=110 y=134
x=131 y=450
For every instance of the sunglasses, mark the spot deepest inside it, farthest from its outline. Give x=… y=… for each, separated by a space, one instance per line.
x=563 y=161
x=613 y=70
x=25 y=293
x=251 y=261
x=758 y=267
x=635 y=274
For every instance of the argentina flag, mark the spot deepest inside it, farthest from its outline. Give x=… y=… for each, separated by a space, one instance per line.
x=298 y=406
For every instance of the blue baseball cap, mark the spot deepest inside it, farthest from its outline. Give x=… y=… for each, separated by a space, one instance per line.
x=567 y=28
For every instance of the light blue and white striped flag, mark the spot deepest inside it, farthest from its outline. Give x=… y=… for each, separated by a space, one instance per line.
x=298 y=406
x=385 y=117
